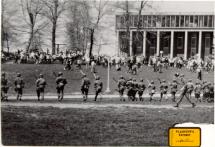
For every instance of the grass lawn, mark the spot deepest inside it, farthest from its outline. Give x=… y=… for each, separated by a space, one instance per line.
x=95 y=126
x=74 y=77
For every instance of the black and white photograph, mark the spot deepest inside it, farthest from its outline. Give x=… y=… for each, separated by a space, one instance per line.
x=104 y=72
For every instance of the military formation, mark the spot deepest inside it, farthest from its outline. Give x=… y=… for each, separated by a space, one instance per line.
x=133 y=88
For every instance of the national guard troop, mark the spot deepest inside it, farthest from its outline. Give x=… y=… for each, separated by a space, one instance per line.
x=152 y=89
x=85 y=85
x=173 y=89
x=197 y=91
x=4 y=87
x=186 y=92
x=134 y=89
x=129 y=85
x=40 y=87
x=121 y=84
x=141 y=88
x=206 y=91
x=98 y=85
x=61 y=82
x=19 y=85
x=163 y=90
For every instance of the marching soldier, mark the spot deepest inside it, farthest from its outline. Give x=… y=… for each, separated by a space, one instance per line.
x=61 y=82
x=98 y=85
x=129 y=85
x=121 y=87
x=141 y=88
x=4 y=87
x=85 y=85
x=197 y=91
x=19 y=85
x=173 y=89
x=152 y=89
x=206 y=91
x=211 y=87
x=163 y=89
x=40 y=87
x=134 y=90
x=186 y=92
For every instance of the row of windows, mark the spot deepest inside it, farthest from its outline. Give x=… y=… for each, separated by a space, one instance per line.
x=173 y=21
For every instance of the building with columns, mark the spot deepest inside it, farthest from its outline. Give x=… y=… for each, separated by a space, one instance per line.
x=172 y=34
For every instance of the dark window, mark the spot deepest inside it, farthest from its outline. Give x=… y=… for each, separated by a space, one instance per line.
x=163 y=21
x=200 y=21
x=210 y=21
x=154 y=21
x=180 y=42
x=182 y=21
x=191 y=21
x=177 y=21
x=205 y=21
x=195 y=21
x=149 y=21
x=158 y=22
x=168 y=21
x=144 y=21
x=135 y=21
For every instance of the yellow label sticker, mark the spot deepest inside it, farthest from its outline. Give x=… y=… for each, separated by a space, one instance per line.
x=184 y=137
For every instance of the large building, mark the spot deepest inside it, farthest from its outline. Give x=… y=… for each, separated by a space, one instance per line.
x=175 y=34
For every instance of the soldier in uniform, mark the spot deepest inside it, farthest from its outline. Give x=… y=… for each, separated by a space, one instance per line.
x=19 y=85
x=121 y=87
x=211 y=87
x=61 y=82
x=152 y=89
x=129 y=85
x=98 y=85
x=197 y=91
x=134 y=89
x=40 y=87
x=186 y=92
x=173 y=89
x=141 y=88
x=206 y=91
x=163 y=89
x=4 y=87
x=85 y=85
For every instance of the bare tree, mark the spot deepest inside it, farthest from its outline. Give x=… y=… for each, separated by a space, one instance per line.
x=94 y=24
x=34 y=23
x=53 y=10
x=7 y=33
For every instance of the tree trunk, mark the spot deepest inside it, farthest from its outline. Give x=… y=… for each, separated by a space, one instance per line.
x=53 y=37
x=91 y=42
x=30 y=39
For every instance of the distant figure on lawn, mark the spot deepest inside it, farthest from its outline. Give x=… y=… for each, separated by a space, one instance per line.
x=61 y=82
x=121 y=84
x=40 y=87
x=98 y=85
x=85 y=85
x=19 y=85
x=4 y=87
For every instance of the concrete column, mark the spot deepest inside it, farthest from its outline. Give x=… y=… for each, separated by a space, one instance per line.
x=130 y=43
x=185 y=45
x=144 y=43
x=200 y=45
x=158 y=43
x=171 y=44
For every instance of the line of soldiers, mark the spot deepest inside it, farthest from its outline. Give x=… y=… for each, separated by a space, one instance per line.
x=41 y=85
x=133 y=87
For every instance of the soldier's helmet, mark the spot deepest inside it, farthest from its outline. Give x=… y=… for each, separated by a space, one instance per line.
x=3 y=74
x=98 y=77
x=60 y=73
x=41 y=75
x=18 y=74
